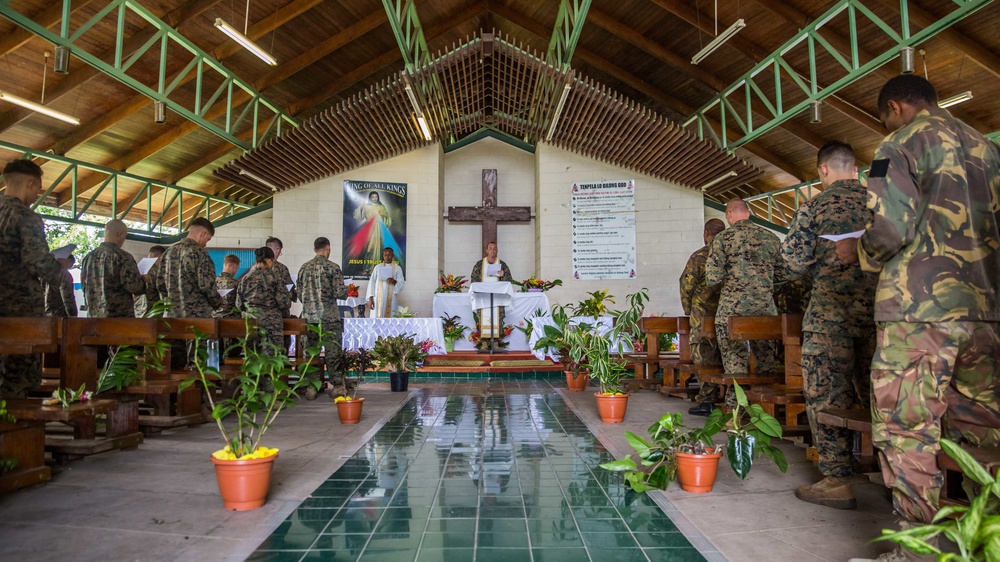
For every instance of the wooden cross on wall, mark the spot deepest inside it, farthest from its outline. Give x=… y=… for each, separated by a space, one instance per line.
x=489 y=214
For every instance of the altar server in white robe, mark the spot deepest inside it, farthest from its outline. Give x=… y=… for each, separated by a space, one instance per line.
x=384 y=284
x=482 y=271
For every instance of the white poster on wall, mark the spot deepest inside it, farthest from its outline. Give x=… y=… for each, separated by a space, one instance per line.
x=604 y=230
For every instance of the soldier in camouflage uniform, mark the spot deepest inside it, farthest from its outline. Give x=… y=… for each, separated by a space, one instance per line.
x=838 y=330
x=746 y=261
x=186 y=278
x=285 y=277
x=110 y=276
x=150 y=295
x=322 y=283
x=60 y=298
x=227 y=281
x=26 y=263
x=700 y=301
x=260 y=295
x=934 y=189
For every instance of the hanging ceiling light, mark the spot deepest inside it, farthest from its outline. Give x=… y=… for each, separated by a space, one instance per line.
x=61 y=63
x=559 y=108
x=906 y=60
x=160 y=111
x=816 y=112
x=245 y=42
x=719 y=179
x=258 y=179
x=956 y=99
x=39 y=108
x=417 y=112
x=718 y=41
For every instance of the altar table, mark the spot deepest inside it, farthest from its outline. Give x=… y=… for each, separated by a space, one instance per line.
x=459 y=304
x=362 y=332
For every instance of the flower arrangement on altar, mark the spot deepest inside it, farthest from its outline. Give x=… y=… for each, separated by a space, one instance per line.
x=353 y=290
x=480 y=343
x=453 y=328
x=451 y=283
x=536 y=285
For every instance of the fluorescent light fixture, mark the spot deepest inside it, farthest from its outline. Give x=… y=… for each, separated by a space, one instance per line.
x=245 y=42
x=39 y=108
x=723 y=177
x=423 y=127
x=955 y=100
x=559 y=108
x=816 y=112
x=258 y=179
x=719 y=40
x=61 y=63
x=413 y=97
x=906 y=60
x=160 y=111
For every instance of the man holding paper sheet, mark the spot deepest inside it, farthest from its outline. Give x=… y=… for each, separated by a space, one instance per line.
x=838 y=330
x=110 y=276
x=934 y=189
x=322 y=283
x=149 y=267
x=27 y=263
x=385 y=283
x=491 y=268
x=226 y=283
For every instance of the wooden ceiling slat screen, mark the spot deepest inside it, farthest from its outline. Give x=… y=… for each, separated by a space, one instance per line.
x=488 y=81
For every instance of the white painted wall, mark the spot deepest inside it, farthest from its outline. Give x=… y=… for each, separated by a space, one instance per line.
x=463 y=187
x=316 y=209
x=670 y=220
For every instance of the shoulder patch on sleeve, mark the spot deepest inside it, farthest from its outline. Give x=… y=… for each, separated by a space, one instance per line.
x=879 y=168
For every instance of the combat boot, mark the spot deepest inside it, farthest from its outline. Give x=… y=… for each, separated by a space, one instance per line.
x=310 y=393
x=831 y=491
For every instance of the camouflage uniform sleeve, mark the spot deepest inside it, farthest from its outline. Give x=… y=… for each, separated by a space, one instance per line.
x=799 y=249
x=206 y=282
x=35 y=255
x=130 y=277
x=68 y=295
x=477 y=272
x=688 y=282
x=282 y=296
x=339 y=289
x=715 y=267
x=893 y=201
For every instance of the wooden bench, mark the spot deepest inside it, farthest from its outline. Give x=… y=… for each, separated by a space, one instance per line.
x=684 y=372
x=24 y=440
x=951 y=490
x=750 y=328
x=858 y=420
x=646 y=364
x=788 y=394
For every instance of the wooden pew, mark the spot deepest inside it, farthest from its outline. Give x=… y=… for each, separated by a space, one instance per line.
x=646 y=364
x=788 y=394
x=951 y=491
x=24 y=440
x=855 y=419
x=749 y=328
x=684 y=372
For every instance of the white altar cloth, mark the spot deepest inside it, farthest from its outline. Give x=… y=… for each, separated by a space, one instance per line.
x=459 y=304
x=362 y=332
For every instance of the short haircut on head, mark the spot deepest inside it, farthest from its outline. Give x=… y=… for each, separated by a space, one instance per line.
x=737 y=205
x=390 y=249
x=202 y=222
x=263 y=253
x=156 y=250
x=321 y=242
x=906 y=88
x=114 y=227
x=231 y=258
x=272 y=241
x=714 y=226
x=22 y=166
x=837 y=155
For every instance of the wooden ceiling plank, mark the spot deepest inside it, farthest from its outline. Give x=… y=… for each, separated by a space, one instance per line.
x=46 y=18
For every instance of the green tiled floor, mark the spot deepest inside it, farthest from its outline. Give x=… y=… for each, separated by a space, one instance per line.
x=478 y=472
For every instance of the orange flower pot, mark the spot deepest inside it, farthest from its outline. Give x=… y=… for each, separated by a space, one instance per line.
x=349 y=411
x=243 y=485
x=578 y=383
x=696 y=473
x=611 y=408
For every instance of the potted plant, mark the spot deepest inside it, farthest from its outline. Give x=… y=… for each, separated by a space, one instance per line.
x=691 y=457
x=596 y=306
x=535 y=285
x=398 y=355
x=569 y=342
x=451 y=283
x=453 y=330
x=243 y=466
x=608 y=371
x=342 y=362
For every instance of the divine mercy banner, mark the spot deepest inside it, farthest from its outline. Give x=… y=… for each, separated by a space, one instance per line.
x=604 y=230
x=374 y=219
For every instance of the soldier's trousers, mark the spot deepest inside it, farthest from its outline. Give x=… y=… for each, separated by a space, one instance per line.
x=19 y=374
x=331 y=342
x=930 y=380
x=272 y=326
x=706 y=352
x=736 y=355
x=835 y=374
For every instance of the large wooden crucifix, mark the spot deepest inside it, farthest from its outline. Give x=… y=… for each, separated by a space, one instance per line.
x=489 y=214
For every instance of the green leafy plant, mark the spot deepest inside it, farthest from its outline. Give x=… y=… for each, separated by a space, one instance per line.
x=609 y=371
x=6 y=465
x=453 y=328
x=67 y=396
x=596 y=306
x=527 y=325
x=261 y=391
x=975 y=529
x=126 y=363
x=404 y=312
x=537 y=284
x=398 y=353
x=341 y=362
x=667 y=437
x=750 y=431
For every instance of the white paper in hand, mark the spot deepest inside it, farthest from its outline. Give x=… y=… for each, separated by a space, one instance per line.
x=145 y=264
x=64 y=252
x=839 y=237
x=384 y=271
x=224 y=292
x=289 y=286
x=492 y=269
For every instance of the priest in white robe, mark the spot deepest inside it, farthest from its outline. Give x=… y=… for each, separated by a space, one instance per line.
x=491 y=268
x=385 y=283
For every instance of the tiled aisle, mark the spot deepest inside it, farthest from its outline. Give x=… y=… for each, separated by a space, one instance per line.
x=478 y=472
